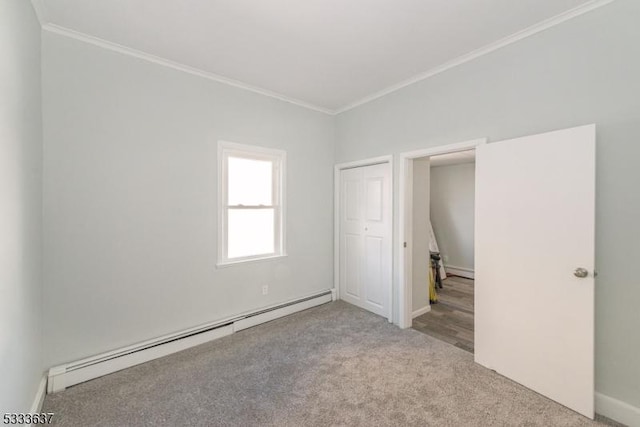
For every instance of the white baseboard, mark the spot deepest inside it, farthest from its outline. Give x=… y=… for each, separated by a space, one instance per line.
x=459 y=271
x=267 y=316
x=421 y=311
x=334 y=294
x=63 y=376
x=36 y=406
x=617 y=410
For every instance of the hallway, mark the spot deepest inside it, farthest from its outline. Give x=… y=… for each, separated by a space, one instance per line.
x=451 y=319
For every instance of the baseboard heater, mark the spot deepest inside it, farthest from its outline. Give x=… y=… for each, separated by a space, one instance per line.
x=63 y=376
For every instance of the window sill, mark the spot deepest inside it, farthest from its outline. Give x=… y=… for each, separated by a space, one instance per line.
x=225 y=264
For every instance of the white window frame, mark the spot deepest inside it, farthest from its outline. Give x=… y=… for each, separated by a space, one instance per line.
x=279 y=159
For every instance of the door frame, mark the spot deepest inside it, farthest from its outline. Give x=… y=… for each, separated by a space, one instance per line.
x=405 y=217
x=336 y=221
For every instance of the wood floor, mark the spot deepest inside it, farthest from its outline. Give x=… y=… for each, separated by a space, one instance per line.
x=451 y=319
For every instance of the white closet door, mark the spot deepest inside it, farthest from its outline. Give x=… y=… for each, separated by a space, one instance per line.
x=365 y=237
x=534 y=270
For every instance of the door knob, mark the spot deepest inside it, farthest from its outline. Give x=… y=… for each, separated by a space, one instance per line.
x=581 y=272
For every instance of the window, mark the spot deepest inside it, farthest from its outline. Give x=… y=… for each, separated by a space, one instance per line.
x=251 y=203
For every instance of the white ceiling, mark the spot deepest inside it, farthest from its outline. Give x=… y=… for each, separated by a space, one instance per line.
x=327 y=53
x=456 y=158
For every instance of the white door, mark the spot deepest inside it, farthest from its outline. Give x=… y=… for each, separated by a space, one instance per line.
x=535 y=226
x=365 y=237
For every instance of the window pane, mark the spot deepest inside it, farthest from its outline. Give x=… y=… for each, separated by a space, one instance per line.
x=251 y=232
x=250 y=182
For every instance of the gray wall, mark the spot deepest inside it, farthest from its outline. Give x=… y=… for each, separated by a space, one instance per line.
x=131 y=193
x=453 y=211
x=583 y=71
x=20 y=206
x=420 y=238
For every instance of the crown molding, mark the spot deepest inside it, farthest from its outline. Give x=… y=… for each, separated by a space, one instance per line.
x=527 y=32
x=41 y=11
x=96 y=41
x=40 y=8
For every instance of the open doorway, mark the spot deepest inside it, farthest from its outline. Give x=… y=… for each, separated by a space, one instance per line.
x=442 y=273
x=417 y=244
x=529 y=191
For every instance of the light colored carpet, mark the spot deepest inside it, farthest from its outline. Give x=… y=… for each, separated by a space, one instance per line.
x=330 y=365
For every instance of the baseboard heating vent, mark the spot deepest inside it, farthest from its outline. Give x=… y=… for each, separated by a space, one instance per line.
x=63 y=376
